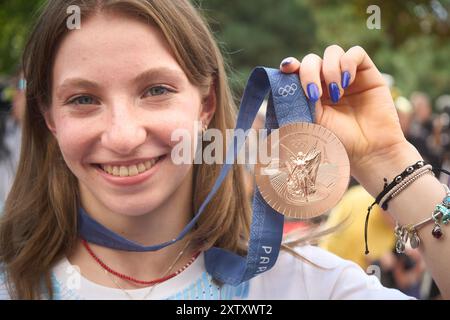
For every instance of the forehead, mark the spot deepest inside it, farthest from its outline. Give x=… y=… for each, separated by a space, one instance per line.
x=111 y=44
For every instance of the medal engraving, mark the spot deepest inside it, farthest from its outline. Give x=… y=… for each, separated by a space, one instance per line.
x=310 y=174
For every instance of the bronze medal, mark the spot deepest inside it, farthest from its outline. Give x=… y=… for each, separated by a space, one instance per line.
x=309 y=173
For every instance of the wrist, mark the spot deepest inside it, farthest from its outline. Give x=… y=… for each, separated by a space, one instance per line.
x=370 y=172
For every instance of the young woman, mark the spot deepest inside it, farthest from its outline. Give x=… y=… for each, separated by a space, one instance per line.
x=102 y=102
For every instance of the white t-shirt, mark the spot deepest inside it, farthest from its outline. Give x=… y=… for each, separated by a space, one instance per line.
x=290 y=278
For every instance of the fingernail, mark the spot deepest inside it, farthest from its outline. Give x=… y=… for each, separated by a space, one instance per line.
x=345 y=79
x=313 y=92
x=334 y=92
x=286 y=61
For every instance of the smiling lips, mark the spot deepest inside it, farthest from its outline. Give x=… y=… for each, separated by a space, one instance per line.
x=130 y=170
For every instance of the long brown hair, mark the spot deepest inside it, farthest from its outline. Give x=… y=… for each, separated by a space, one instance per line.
x=39 y=225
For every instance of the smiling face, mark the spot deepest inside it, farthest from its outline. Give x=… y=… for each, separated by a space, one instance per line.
x=117 y=95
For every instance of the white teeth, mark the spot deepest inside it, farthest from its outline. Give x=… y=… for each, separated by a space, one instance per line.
x=141 y=167
x=133 y=170
x=123 y=171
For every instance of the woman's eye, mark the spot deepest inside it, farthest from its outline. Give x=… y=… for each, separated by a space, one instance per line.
x=157 y=91
x=83 y=100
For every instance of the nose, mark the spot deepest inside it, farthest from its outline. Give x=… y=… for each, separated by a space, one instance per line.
x=125 y=131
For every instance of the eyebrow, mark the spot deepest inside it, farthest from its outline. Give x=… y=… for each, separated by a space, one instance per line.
x=77 y=82
x=154 y=73
x=157 y=73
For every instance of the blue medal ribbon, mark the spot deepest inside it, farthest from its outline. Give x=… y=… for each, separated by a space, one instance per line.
x=287 y=104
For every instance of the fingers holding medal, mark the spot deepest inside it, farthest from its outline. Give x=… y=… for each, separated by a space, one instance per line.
x=311 y=171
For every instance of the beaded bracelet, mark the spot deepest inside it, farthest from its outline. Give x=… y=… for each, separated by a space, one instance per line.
x=397 y=180
x=440 y=214
x=399 y=187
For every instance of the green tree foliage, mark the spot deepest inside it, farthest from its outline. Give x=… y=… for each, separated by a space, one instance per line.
x=16 y=17
x=412 y=45
x=261 y=32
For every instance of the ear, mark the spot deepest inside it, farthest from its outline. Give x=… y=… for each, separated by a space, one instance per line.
x=49 y=121
x=209 y=105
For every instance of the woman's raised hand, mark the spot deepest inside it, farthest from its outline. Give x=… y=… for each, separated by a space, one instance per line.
x=353 y=101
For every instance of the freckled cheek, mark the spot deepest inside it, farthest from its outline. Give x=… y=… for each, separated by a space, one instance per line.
x=184 y=120
x=74 y=141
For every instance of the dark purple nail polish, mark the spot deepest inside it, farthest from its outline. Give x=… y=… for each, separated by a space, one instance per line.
x=334 y=92
x=286 y=61
x=313 y=92
x=345 y=79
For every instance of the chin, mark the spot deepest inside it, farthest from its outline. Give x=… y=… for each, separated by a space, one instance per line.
x=135 y=206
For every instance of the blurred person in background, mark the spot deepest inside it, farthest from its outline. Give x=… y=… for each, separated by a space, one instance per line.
x=404 y=271
x=422 y=131
x=422 y=112
x=443 y=107
x=405 y=113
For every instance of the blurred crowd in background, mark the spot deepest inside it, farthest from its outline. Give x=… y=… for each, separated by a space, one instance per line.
x=411 y=47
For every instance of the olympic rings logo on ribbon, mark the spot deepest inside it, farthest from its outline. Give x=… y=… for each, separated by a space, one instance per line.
x=287 y=90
